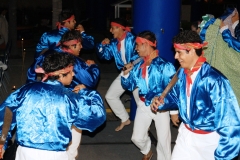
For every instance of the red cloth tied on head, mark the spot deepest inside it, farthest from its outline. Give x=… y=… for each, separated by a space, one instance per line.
x=119 y=25
x=143 y=40
x=123 y=36
x=189 y=46
x=58 y=24
x=68 y=43
x=55 y=73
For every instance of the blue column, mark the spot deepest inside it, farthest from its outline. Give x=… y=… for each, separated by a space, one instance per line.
x=161 y=17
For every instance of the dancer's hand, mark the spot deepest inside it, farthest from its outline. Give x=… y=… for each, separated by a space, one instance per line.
x=78 y=88
x=80 y=28
x=1 y=151
x=235 y=18
x=157 y=101
x=222 y=24
x=90 y=62
x=106 y=41
x=127 y=68
x=175 y=119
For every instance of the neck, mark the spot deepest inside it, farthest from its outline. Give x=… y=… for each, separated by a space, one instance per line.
x=120 y=35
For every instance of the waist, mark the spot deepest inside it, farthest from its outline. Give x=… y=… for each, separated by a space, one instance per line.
x=197 y=131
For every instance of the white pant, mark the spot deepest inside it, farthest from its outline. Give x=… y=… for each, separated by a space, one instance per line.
x=74 y=145
x=113 y=98
x=191 y=146
x=142 y=122
x=24 y=153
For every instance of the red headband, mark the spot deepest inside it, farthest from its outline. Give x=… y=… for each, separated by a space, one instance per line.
x=189 y=46
x=143 y=40
x=55 y=73
x=119 y=25
x=58 y=24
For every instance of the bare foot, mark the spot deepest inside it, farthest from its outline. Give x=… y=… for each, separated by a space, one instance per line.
x=127 y=122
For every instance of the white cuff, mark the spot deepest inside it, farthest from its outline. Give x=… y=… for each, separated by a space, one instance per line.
x=124 y=76
x=223 y=28
x=173 y=112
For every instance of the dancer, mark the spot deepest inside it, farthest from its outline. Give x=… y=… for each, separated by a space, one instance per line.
x=45 y=111
x=149 y=76
x=86 y=74
x=67 y=22
x=207 y=105
x=121 y=48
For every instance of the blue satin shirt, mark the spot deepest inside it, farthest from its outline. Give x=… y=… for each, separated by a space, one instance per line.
x=49 y=41
x=109 y=51
x=160 y=73
x=213 y=107
x=45 y=111
x=84 y=74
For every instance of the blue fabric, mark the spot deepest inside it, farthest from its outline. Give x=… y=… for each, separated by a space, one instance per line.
x=230 y=40
x=45 y=111
x=88 y=41
x=110 y=51
x=160 y=73
x=84 y=74
x=49 y=41
x=213 y=107
x=205 y=27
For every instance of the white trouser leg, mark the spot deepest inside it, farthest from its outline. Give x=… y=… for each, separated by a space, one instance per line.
x=73 y=146
x=140 y=131
x=191 y=146
x=24 y=153
x=162 y=124
x=113 y=98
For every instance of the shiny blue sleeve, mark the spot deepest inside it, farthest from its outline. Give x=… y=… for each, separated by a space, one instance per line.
x=31 y=74
x=88 y=41
x=84 y=74
x=92 y=112
x=129 y=83
x=42 y=44
x=165 y=73
x=230 y=40
x=227 y=120
x=105 y=51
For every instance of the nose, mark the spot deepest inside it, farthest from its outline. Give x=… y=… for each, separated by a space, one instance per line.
x=176 y=56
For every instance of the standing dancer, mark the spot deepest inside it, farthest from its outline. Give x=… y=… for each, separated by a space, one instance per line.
x=150 y=76
x=207 y=105
x=121 y=48
x=45 y=111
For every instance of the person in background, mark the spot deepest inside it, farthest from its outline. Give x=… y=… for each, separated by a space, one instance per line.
x=3 y=28
x=207 y=105
x=195 y=26
x=66 y=22
x=122 y=49
x=149 y=76
x=44 y=112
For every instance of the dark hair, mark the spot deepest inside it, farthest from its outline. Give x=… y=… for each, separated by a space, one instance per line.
x=65 y=14
x=195 y=24
x=121 y=21
x=56 y=61
x=149 y=36
x=70 y=35
x=188 y=36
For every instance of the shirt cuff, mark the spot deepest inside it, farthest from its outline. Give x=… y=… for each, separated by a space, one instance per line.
x=124 y=76
x=223 y=28
x=173 y=112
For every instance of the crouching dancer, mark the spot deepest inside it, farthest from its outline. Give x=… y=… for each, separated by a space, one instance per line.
x=44 y=112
